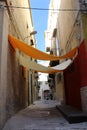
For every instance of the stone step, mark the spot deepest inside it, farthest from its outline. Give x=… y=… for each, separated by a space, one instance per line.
x=71 y=114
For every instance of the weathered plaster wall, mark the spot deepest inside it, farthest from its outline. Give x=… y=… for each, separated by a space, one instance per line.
x=14 y=87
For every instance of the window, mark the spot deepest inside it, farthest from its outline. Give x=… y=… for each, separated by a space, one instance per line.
x=83 y=1
x=83 y=5
x=32 y=43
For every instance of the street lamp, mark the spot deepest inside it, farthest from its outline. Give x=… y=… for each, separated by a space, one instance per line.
x=31 y=33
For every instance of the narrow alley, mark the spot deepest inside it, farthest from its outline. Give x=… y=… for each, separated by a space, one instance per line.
x=42 y=115
x=43 y=65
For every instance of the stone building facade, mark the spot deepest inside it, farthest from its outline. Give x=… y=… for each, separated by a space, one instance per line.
x=70 y=24
x=16 y=90
x=51 y=43
x=69 y=35
x=72 y=33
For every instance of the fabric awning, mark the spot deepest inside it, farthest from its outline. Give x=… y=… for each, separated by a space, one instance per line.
x=35 y=53
x=40 y=68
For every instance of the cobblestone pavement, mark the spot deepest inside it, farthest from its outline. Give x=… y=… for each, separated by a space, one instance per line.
x=42 y=115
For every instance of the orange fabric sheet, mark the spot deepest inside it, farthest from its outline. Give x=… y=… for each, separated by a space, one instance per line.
x=35 y=53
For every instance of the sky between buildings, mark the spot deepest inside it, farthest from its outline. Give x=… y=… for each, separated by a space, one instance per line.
x=40 y=18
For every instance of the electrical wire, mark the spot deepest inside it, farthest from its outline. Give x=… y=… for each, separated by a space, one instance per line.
x=18 y=7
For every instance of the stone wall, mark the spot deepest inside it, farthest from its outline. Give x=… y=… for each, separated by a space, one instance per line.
x=3 y=64
x=84 y=98
x=14 y=87
x=68 y=30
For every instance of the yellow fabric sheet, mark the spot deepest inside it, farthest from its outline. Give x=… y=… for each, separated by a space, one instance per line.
x=35 y=53
x=40 y=68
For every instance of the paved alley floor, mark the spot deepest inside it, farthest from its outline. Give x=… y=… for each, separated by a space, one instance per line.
x=42 y=115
